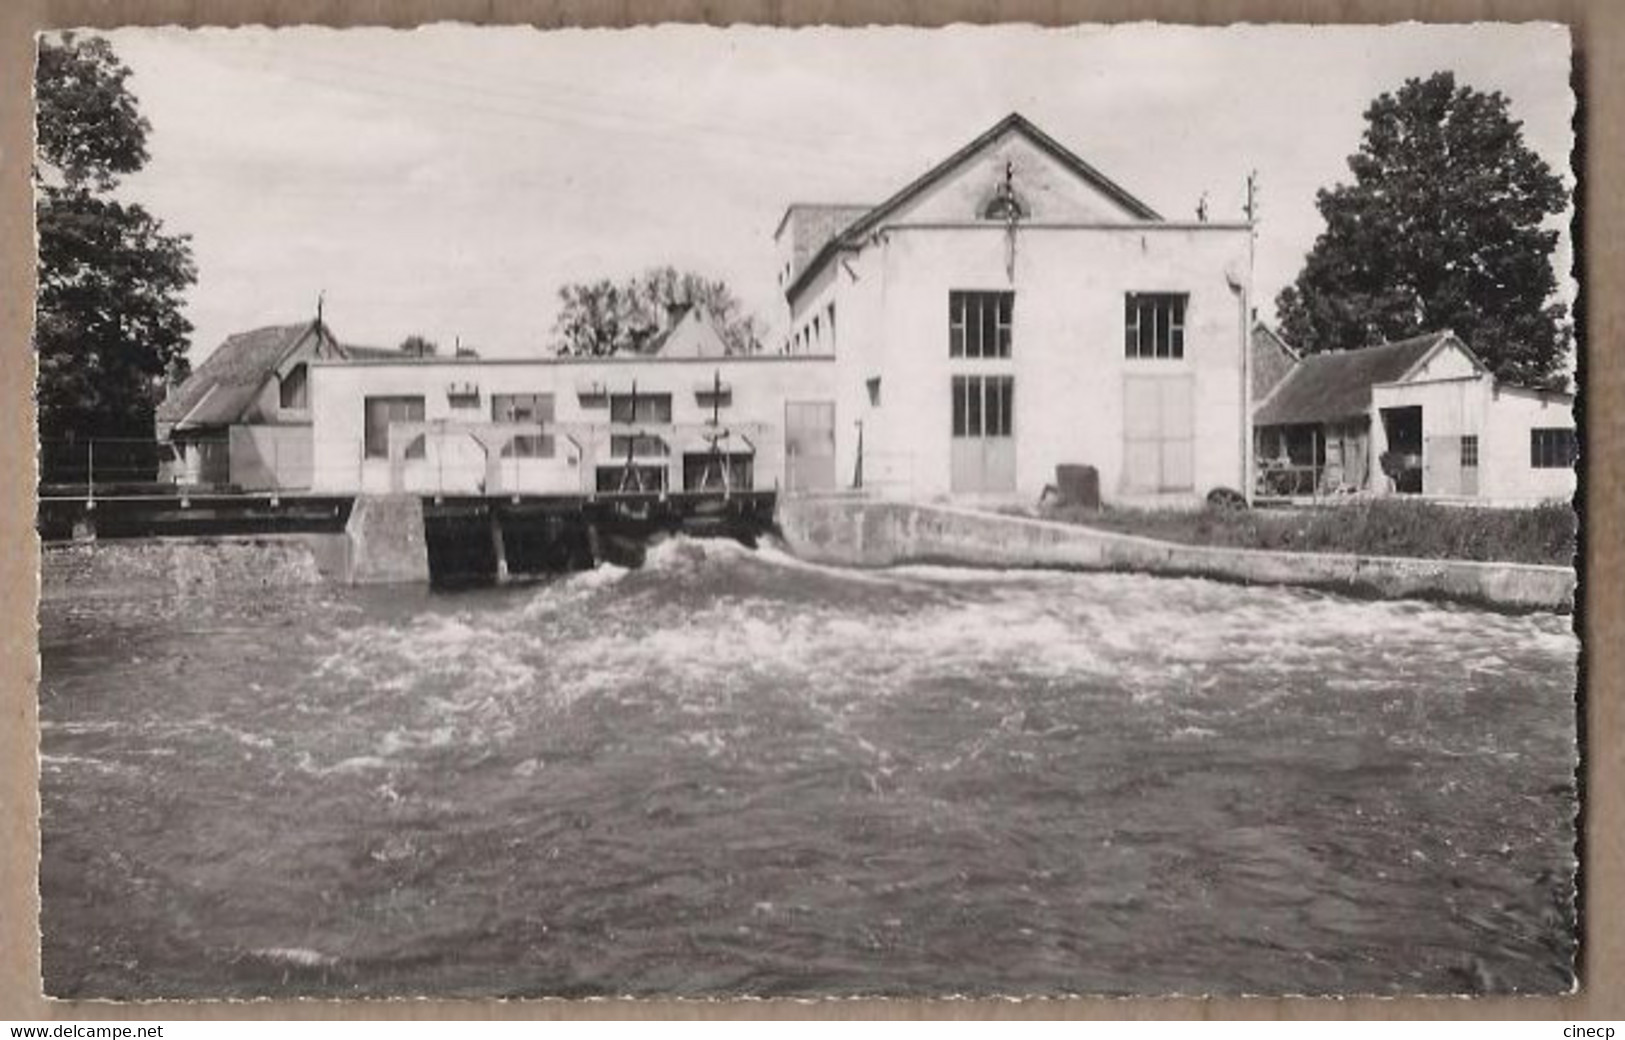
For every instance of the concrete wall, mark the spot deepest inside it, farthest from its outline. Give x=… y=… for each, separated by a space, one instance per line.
x=387 y=542
x=1504 y=446
x=755 y=408
x=1068 y=347
x=265 y=457
x=849 y=532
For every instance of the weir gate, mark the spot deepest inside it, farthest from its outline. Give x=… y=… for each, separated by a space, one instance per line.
x=443 y=538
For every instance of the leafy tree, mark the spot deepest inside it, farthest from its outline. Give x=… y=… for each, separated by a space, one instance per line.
x=1443 y=227
x=601 y=318
x=108 y=325
x=418 y=346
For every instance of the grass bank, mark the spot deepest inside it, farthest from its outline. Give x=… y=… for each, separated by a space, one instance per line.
x=1542 y=534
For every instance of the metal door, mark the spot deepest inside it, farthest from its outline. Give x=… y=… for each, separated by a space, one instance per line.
x=983 y=447
x=809 y=445
x=1441 y=466
x=1159 y=434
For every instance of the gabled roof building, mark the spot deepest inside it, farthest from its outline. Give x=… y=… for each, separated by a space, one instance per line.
x=1421 y=416
x=1014 y=309
x=242 y=418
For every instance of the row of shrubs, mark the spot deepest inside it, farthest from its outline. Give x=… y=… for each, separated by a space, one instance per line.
x=1375 y=527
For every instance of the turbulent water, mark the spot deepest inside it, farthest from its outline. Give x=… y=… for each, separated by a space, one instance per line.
x=730 y=772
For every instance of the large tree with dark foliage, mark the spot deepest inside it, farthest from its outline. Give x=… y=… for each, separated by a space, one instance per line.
x=108 y=324
x=1445 y=226
x=601 y=318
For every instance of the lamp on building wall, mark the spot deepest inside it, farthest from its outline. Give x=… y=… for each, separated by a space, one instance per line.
x=1005 y=205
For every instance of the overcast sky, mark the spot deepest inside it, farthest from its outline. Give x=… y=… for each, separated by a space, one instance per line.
x=447 y=181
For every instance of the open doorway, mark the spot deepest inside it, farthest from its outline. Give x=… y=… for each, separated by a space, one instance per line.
x=1402 y=462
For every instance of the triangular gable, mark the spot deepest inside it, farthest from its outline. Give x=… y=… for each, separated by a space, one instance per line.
x=230 y=379
x=695 y=335
x=1051 y=183
x=1436 y=363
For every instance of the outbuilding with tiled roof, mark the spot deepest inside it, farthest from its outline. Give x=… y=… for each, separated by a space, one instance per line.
x=242 y=418
x=1421 y=415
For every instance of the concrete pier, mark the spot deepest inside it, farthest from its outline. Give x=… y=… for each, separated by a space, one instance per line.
x=387 y=542
x=863 y=533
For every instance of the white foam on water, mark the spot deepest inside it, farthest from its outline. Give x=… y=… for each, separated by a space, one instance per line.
x=480 y=675
x=353 y=765
x=60 y=762
x=298 y=956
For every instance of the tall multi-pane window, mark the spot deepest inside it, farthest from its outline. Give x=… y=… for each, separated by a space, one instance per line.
x=979 y=324
x=641 y=408
x=983 y=406
x=1154 y=325
x=1552 y=448
x=525 y=408
x=1469 y=449
x=379 y=413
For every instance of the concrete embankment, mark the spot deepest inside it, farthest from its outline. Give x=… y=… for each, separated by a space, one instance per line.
x=188 y=565
x=863 y=533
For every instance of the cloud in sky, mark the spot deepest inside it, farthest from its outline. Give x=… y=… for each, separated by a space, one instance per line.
x=447 y=181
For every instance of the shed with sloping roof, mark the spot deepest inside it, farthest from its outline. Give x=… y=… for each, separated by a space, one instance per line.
x=1421 y=416
x=242 y=418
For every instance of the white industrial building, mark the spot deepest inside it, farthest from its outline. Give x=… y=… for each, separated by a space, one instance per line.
x=1009 y=311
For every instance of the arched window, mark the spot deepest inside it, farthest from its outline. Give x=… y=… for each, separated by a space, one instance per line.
x=296 y=388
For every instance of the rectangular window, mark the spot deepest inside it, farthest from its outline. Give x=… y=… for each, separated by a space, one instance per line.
x=1154 y=325
x=629 y=480
x=1552 y=448
x=983 y=406
x=641 y=408
x=733 y=471
x=637 y=445
x=1469 y=450
x=379 y=413
x=525 y=408
x=979 y=324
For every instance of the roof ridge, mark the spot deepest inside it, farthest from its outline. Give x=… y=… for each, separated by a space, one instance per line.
x=1014 y=121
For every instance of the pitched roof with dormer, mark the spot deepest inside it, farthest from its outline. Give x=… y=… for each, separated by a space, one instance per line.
x=222 y=389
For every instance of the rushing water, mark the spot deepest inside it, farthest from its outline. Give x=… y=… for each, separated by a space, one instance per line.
x=730 y=772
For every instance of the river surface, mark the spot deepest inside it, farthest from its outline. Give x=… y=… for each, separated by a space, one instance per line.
x=732 y=773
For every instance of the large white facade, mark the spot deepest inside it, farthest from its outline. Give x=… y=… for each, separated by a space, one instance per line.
x=561 y=426
x=1065 y=259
